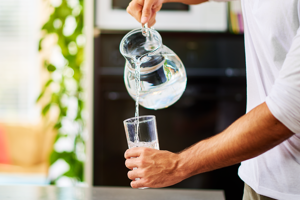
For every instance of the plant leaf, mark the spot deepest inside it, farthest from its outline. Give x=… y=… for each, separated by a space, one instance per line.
x=46 y=109
x=51 y=68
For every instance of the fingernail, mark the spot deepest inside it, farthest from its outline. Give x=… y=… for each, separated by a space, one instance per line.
x=144 y=20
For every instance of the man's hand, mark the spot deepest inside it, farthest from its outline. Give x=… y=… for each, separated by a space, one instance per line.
x=155 y=168
x=144 y=11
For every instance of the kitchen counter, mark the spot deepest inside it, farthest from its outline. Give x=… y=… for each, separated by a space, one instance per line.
x=104 y=193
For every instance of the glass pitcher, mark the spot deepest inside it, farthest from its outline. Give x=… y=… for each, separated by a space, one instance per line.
x=162 y=74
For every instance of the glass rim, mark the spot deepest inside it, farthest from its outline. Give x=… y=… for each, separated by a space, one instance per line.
x=136 y=31
x=151 y=117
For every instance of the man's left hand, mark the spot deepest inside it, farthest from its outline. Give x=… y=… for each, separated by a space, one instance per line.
x=155 y=168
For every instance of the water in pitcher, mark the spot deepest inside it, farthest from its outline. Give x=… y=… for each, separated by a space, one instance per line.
x=164 y=90
x=162 y=74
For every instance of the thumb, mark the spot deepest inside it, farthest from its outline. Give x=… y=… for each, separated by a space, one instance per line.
x=146 y=13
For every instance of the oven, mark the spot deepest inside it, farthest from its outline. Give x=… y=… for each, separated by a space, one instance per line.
x=215 y=96
x=210 y=16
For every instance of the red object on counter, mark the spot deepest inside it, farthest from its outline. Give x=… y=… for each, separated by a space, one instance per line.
x=4 y=156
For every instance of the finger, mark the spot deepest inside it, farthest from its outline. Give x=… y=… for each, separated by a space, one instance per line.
x=134 y=174
x=138 y=183
x=133 y=152
x=152 y=21
x=146 y=12
x=131 y=163
x=156 y=8
x=135 y=10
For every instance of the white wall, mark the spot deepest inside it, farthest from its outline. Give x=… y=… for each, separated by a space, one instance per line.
x=89 y=79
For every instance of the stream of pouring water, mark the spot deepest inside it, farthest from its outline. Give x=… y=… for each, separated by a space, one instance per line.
x=146 y=33
x=137 y=92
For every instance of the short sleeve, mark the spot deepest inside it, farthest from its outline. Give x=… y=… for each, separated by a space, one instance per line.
x=284 y=98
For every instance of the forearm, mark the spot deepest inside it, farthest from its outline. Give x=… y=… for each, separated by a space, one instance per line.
x=190 y=2
x=251 y=135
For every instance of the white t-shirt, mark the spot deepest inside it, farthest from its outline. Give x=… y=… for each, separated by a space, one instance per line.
x=272 y=42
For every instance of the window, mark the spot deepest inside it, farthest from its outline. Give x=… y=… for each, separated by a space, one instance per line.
x=19 y=70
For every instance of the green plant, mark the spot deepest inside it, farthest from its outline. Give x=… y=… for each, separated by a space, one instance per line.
x=63 y=91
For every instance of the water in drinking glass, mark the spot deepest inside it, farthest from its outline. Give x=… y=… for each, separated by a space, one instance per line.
x=153 y=144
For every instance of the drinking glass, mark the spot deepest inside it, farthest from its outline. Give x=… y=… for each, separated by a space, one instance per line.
x=147 y=133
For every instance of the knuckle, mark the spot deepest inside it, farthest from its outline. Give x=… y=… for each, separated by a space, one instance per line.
x=139 y=162
x=146 y=171
x=146 y=13
x=147 y=10
x=147 y=181
x=156 y=8
x=146 y=150
x=142 y=163
x=142 y=173
x=128 y=9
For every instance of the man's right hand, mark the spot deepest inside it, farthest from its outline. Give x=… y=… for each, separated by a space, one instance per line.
x=144 y=11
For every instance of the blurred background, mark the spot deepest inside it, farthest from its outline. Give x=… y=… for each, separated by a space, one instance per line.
x=43 y=132
x=24 y=145
x=63 y=98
